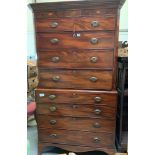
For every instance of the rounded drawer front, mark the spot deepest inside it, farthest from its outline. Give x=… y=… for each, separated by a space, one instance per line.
x=76 y=123
x=76 y=97
x=78 y=79
x=78 y=24
x=84 y=40
x=76 y=138
x=76 y=110
x=76 y=59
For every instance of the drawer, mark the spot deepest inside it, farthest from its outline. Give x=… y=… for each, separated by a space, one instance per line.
x=78 y=79
x=81 y=40
x=75 y=59
x=75 y=123
x=69 y=13
x=56 y=96
x=76 y=138
x=76 y=110
x=75 y=24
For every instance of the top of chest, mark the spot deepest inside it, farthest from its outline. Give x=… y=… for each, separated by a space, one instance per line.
x=78 y=4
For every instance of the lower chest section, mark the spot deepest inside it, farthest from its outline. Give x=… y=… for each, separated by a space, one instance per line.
x=76 y=117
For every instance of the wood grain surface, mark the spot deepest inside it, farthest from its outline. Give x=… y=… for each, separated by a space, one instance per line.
x=76 y=138
x=78 y=59
x=82 y=97
x=77 y=79
x=75 y=24
x=76 y=95
x=75 y=110
x=76 y=123
x=79 y=40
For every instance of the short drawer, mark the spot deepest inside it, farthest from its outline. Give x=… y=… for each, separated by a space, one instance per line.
x=80 y=40
x=75 y=123
x=75 y=59
x=76 y=138
x=56 y=96
x=78 y=79
x=75 y=24
x=76 y=110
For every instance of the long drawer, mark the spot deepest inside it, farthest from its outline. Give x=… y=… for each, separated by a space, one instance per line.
x=76 y=138
x=70 y=13
x=75 y=59
x=75 y=24
x=75 y=123
x=76 y=110
x=81 y=40
x=56 y=96
x=78 y=79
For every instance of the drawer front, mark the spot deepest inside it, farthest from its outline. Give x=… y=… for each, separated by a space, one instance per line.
x=76 y=138
x=81 y=40
x=97 y=12
x=72 y=24
x=75 y=123
x=76 y=110
x=76 y=96
x=78 y=79
x=75 y=59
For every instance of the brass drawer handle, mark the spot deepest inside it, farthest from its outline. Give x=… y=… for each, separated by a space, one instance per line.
x=94 y=41
x=54 y=24
x=54 y=41
x=56 y=78
x=95 y=23
x=53 y=135
x=93 y=59
x=53 y=122
x=98 y=99
x=52 y=97
x=93 y=79
x=96 y=125
x=53 y=108
x=97 y=111
x=96 y=140
x=55 y=59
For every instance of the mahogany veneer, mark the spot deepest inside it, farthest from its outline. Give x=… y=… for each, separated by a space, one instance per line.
x=76 y=44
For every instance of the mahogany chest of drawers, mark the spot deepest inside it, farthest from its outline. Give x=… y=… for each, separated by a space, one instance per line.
x=76 y=97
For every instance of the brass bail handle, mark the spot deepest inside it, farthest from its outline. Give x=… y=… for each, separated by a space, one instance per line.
x=52 y=97
x=97 y=111
x=54 y=24
x=55 y=59
x=96 y=140
x=94 y=41
x=54 y=41
x=93 y=79
x=53 y=108
x=56 y=78
x=98 y=99
x=93 y=59
x=53 y=122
